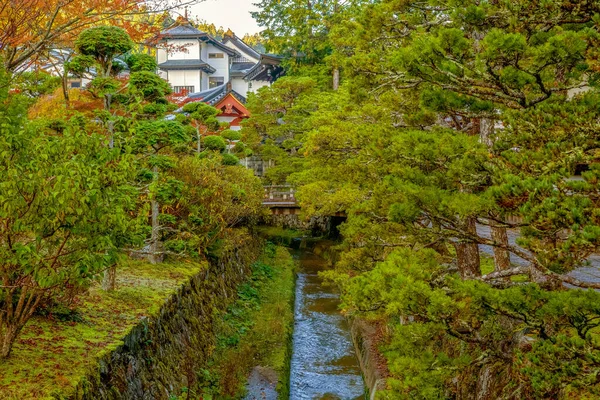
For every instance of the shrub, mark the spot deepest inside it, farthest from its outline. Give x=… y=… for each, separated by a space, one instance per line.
x=141 y=62
x=230 y=159
x=216 y=143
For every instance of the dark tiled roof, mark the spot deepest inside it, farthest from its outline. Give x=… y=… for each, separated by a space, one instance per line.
x=241 y=66
x=209 y=39
x=182 y=30
x=271 y=58
x=187 y=64
x=267 y=69
x=185 y=30
x=214 y=95
x=241 y=45
x=240 y=69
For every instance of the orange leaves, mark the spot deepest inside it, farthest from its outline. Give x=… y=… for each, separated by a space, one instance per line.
x=28 y=27
x=18 y=21
x=53 y=105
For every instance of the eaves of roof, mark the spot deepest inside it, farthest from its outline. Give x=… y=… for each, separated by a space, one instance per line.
x=209 y=39
x=186 y=64
x=241 y=45
x=214 y=95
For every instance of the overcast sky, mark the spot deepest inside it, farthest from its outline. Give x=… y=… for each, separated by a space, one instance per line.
x=234 y=14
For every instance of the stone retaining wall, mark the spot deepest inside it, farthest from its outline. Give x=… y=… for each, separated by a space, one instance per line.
x=372 y=364
x=161 y=356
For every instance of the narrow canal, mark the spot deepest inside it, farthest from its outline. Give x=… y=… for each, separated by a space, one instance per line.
x=324 y=363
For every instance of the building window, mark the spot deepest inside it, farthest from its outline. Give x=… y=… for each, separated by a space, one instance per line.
x=215 y=81
x=183 y=89
x=75 y=84
x=216 y=55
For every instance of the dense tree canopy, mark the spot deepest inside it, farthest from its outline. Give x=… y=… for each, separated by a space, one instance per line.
x=65 y=203
x=109 y=176
x=457 y=125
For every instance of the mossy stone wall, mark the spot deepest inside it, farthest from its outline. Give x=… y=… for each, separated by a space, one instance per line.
x=363 y=336
x=319 y=225
x=161 y=356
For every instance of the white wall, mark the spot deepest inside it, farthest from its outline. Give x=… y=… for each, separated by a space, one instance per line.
x=220 y=64
x=239 y=85
x=225 y=119
x=161 y=55
x=257 y=85
x=246 y=55
x=204 y=82
x=185 y=78
x=190 y=52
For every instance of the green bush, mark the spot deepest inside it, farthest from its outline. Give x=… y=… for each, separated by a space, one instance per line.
x=155 y=108
x=214 y=143
x=141 y=62
x=231 y=135
x=230 y=159
x=151 y=86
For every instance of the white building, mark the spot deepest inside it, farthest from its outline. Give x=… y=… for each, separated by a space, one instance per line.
x=194 y=62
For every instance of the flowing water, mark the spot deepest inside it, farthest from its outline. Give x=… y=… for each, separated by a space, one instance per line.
x=324 y=363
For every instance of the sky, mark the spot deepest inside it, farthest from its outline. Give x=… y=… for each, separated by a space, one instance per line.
x=234 y=14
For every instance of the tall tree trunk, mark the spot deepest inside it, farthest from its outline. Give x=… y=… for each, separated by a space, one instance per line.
x=499 y=233
x=501 y=256
x=336 y=78
x=467 y=253
x=109 y=280
x=486 y=132
x=9 y=334
x=199 y=144
x=155 y=235
x=107 y=101
x=15 y=314
x=65 y=88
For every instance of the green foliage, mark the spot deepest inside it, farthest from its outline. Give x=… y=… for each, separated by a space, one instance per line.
x=202 y=114
x=230 y=135
x=256 y=329
x=279 y=123
x=101 y=86
x=555 y=329
x=141 y=62
x=452 y=114
x=103 y=43
x=36 y=83
x=156 y=109
x=300 y=33
x=149 y=85
x=66 y=200
x=215 y=143
x=80 y=65
x=206 y=199
x=159 y=135
x=230 y=159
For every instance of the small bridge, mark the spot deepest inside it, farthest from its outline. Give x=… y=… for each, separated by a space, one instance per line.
x=285 y=210
x=281 y=199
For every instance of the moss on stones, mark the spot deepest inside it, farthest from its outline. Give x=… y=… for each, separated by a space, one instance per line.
x=255 y=331
x=143 y=341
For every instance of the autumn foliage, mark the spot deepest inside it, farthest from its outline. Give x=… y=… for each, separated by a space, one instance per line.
x=30 y=27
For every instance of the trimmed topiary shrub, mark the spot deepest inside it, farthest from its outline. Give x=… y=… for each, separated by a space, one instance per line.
x=230 y=159
x=216 y=143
